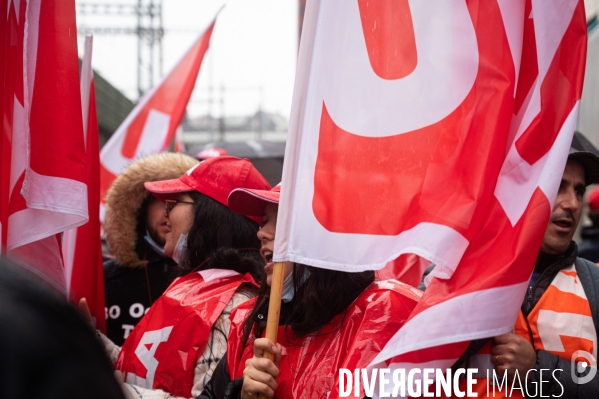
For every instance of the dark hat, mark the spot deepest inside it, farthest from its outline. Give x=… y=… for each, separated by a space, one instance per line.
x=584 y=152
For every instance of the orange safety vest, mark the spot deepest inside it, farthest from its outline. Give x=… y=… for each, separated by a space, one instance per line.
x=560 y=323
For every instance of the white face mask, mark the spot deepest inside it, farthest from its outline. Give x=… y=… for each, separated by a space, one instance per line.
x=180 y=251
x=289 y=288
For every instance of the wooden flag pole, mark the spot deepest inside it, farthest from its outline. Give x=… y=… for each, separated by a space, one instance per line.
x=274 y=308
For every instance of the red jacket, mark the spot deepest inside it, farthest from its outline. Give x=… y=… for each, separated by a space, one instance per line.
x=162 y=351
x=310 y=365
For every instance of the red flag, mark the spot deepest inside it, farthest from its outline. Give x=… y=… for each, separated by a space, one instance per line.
x=446 y=138
x=408 y=268
x=82 y=247
x=151 y=125
x=179 y=144
x=43 y=190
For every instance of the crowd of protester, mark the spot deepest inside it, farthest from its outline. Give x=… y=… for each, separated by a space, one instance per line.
x=187 y=298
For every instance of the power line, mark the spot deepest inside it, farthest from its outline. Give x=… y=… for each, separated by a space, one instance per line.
x=149 y=31
x=84 y=29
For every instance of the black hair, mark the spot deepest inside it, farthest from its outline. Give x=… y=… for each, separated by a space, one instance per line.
x=325 y=294
x=221 y=239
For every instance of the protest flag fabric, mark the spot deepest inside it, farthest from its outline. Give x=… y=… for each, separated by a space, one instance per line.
x=82 y=247
x=43 y=190
x=440 y=131
x=179 y=144
x=407 y=268
x=151 y=125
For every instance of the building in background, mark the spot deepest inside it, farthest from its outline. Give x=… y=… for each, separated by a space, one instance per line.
x=592 y=9
x=112 y=107
x=258 y=126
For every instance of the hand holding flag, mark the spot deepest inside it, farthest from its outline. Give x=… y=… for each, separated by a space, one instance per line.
x=445 y=138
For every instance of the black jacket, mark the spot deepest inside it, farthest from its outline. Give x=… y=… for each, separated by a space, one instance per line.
x=589 y=247
x=220 y=385
x=125 y=278
x=130 y=291
x=588 y=273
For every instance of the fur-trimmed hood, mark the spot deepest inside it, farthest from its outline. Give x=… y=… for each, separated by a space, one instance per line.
x=126 y=196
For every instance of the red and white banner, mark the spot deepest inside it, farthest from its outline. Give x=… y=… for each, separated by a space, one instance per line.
x=151 y=126
x=82 y=247
x=440 y=131
x=43 y=190
x=408 y=268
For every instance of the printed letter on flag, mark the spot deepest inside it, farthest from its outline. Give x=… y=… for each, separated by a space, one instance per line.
x=441 y=131
x=151 y=126
x=43 y=190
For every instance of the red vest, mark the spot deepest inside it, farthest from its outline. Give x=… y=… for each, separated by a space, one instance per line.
x=310 y=366
x=162 y=350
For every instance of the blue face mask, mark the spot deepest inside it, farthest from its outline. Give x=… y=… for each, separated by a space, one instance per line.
x=289 y=287
x=157 y=248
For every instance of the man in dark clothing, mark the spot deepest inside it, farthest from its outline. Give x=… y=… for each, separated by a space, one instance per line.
x=557 y=327
x=47 y=350
x=558 y=324
x=135 y=226
x=589 y=247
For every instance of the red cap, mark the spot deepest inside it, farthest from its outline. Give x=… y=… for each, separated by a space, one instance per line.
x=250 y=202
x=593 y=199
x=215 y=178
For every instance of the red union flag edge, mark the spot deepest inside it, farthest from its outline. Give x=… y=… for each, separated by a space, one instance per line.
x=454 y=154
x=42 y=184
x=82 y=247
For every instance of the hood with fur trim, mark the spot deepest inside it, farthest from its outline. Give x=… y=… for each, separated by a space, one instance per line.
x=126 y=196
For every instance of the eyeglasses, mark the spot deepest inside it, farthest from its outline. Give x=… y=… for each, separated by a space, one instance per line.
x=170 y=204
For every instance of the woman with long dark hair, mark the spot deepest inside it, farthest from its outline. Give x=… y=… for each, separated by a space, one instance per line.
x=177 y=344
x=329 y=320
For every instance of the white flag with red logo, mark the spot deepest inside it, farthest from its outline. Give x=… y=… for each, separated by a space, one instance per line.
x=440 y=130
x=151 y=126
x=43 y=190
x=82 y=247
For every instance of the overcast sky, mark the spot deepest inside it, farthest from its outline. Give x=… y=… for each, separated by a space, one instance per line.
x=253 y=46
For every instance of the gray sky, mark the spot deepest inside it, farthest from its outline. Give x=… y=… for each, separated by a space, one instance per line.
x=253 y=46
